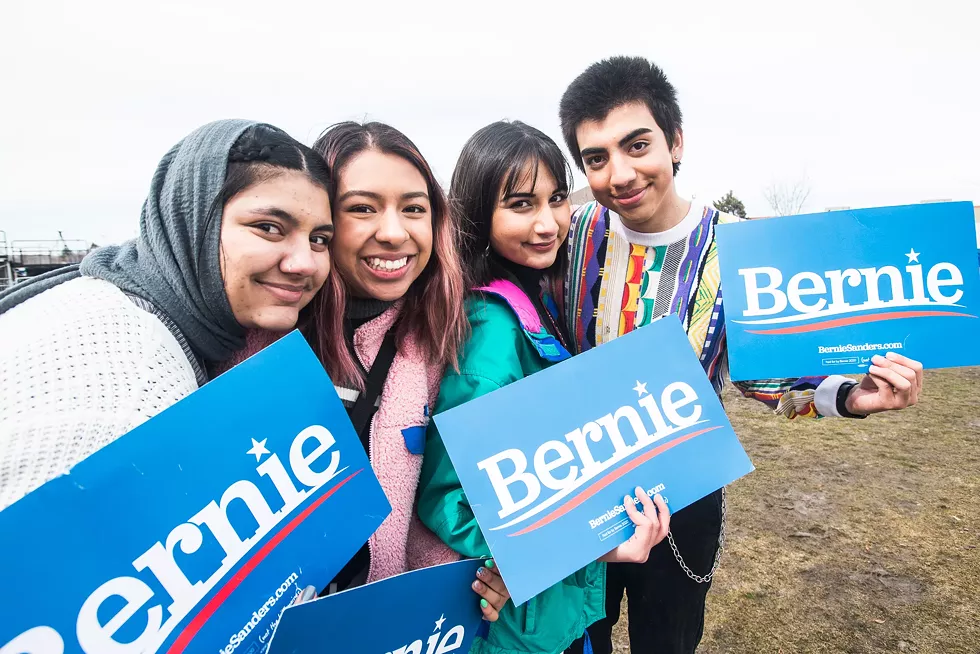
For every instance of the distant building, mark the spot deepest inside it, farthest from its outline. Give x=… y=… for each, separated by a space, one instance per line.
x=580 y=197
x=22 y=260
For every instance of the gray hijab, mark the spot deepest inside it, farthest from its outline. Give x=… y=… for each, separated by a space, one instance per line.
x=174 y=263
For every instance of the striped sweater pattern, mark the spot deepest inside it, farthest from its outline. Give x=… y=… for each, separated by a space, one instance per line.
x=619 y=280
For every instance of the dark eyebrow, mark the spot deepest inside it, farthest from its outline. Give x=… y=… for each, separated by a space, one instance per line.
x=588 y=152
x=366 y=194
x=632 y=135
x=276 y=212
x=377 y=196
x=518 y=195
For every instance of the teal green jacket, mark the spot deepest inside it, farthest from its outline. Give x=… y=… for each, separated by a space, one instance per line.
x=507 y=344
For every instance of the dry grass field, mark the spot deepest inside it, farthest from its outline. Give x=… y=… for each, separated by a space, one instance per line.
x=854 y=536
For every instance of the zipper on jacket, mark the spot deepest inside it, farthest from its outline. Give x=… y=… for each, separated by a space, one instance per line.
x=371 y=463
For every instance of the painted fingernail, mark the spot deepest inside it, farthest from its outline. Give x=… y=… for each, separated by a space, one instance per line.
x=484 y=603
x=481 y=572
x=489 y=563
x=476 y=585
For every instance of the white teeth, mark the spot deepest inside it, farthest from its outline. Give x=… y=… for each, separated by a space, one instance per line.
x=387 y=264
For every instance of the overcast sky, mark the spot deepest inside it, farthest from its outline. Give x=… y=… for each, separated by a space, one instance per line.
x=873 y=103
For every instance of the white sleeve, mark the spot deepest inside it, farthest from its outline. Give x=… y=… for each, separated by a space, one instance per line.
x=825 y=398
x=80 y=365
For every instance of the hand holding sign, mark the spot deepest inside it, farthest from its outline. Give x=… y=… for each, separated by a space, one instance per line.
x=491 y=588
x=892 y=382
x=651 y=527
x=865 y=282
x=543 y=461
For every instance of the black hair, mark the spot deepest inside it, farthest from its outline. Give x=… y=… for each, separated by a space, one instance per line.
x=262 y=153
x=499 y=159
x=611 y=83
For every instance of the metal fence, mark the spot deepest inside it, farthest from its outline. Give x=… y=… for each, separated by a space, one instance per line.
x=22 y=260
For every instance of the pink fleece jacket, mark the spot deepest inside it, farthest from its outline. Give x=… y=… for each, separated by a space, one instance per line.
x=402 y=542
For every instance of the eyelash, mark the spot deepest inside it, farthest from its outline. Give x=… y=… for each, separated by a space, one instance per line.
x=319 y=240
x=262 y=226
x=363 y=208
x=557 y=198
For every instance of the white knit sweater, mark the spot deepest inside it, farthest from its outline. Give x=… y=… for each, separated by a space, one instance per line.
x=80 y=365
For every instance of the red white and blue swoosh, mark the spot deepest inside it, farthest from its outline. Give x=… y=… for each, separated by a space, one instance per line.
x=853 y=315
x=194 y=623
x=587 y=486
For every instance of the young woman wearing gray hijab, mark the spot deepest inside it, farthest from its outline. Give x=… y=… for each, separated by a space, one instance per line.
x=233 y=236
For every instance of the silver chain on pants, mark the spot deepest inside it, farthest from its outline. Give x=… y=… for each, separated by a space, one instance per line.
x=721 y=546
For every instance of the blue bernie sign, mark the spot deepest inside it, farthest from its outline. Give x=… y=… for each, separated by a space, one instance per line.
x=546 y=461
x=194 y=531
x=821 y=294
x=428 y=611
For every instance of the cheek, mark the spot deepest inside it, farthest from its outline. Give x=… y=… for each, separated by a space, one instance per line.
x=232 y=260
x=564 y=221
x=342 y=260
x=345 y=246
x=598 y=181
x=422 y=235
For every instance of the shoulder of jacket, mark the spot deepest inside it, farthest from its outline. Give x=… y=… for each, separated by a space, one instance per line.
x=588 y=212
x=490 y=313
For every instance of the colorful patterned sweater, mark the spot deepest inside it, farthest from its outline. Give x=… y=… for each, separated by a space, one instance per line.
x=619 y=280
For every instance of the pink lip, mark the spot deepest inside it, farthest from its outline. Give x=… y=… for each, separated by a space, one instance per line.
x=542 y=247
x=288 y=293
x=631 y=198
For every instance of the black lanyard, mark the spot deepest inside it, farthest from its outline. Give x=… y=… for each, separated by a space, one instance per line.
x=364 y=407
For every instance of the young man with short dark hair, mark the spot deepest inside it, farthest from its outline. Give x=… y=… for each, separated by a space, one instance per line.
x=641 y=251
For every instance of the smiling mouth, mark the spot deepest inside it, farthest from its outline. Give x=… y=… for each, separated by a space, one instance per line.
x=629 y=195
x=289 y=293
x=543 y=247
x=387 y=265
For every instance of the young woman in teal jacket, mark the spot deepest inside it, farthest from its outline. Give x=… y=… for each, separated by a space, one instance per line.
x=510 y=188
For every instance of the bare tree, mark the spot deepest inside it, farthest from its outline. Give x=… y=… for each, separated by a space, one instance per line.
x=788 y=200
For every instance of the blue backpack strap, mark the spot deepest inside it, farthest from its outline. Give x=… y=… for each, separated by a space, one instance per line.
x=546 y=345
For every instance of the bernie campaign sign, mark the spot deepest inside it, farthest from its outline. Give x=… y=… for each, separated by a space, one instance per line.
x=193 y=531
x=821 y=294
x=428 y=611
x=546 y=461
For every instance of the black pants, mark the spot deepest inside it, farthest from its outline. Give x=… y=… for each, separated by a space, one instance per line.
x=666 y=608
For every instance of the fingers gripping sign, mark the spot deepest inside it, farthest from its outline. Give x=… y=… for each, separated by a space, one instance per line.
x=893 y=382
x=652 y=526
x=489 y=585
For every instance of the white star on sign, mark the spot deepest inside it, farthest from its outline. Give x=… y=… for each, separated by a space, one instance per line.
x=439 y=622
x=258 y=449
x=913 y=256
x=640 y=388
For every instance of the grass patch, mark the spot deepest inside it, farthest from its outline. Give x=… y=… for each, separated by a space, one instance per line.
x=856 y=536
